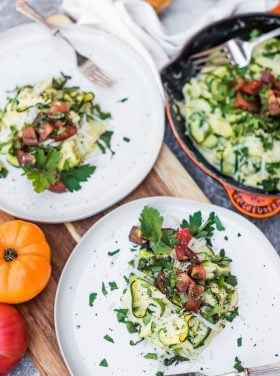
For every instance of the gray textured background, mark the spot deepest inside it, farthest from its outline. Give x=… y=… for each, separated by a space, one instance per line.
x=184 y=12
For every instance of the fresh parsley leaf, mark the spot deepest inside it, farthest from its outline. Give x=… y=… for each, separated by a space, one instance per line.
x=231 y=280
x=113 y=286
x=238 y=365
x=131 y=327
x=108 y=338
x=202 y=230
x=239 y=341
x=105 y=142
x=113 y=252
x=151 y=222
x=47 y=159
x=101 y=114
x=3 y=171
x=72 y=177
x=103 y=363
x=41 y=179
x=92 y=297
x=152 y=356
x=121 y=315
x=104 y=290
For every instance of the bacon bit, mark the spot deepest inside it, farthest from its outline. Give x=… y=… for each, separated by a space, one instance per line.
x=198 y=272
x=44 y=131
x=273 y=103
x=193 y=304
x=267 y=77
x=252 y=87
x=29 y=136
x=244 y=104
x=161 y=283
x=24 y=158
x=59 y=107
x=58 y=187
x=183 y=282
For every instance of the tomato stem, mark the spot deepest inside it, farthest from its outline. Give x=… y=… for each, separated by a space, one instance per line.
x=10 y=254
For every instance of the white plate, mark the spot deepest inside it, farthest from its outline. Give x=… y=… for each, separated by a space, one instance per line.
x=80 y=329
x=28 y=54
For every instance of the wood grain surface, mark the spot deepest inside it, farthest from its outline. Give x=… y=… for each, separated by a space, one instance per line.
x=167 y=178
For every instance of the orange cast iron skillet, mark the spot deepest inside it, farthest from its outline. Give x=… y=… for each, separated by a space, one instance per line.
x=250 y=201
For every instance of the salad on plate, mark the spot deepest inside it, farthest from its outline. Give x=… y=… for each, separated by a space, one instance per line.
x=233 y=118
x=180 y=292
x=48 y=130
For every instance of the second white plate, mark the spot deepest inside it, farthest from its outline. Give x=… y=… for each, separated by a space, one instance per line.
x=29 y=54
x=80 y=328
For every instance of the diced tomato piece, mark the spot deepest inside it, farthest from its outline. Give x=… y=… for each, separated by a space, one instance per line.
x=183 y=282
x=252 y=87
x=59 y=107
x=273 y=103
x=239 y=83
x=267 y=77
x=276 y=84
x=67 y=133
x=184 y=253
x=29 y=136
x=184 y=236
x=24 y=157
x=44 y=131
x=161 y=283
x=198 y=272
x=193 y=304
x=244 y=104
x=58 y=187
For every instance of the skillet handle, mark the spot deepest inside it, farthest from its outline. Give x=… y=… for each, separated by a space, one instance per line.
x=251 y=204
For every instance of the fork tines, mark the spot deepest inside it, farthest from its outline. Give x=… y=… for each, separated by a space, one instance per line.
x=211 y=58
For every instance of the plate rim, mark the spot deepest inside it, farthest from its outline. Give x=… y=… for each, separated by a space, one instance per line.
x=148 y=201
x=155 y=151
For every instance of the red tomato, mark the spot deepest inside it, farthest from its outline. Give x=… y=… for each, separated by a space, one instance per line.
x=198 y=272
x=183 y=282
x=59 y=107
x=252 y=87
x=184 y=236
x=194 y=303
x=244 y=104
x=13 y=338
x=58 y=187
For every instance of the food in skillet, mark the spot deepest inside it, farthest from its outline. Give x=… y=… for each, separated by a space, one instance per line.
x=233 y=117
x=48 y=130
x=180 y=292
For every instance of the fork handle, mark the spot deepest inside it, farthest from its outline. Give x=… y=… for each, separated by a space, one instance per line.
x=27 y=10
x=266 y=36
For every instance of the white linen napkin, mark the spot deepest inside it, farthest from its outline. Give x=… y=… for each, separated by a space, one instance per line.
x=136 y=22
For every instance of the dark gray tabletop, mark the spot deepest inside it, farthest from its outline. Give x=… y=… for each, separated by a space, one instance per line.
x=216 y=194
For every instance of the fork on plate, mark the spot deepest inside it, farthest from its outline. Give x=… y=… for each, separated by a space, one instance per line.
x=87 y=67
x=267 y=370
x=234 y=51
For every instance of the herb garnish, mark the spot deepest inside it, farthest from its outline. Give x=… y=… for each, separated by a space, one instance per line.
x=104 y=290
x=113 y=252
x=202 y=230
x=103 y=363
x=113 y=285
x=152 y=356
x=239 y=341
x=108 y=338
x=92 y=297
x=238 y=365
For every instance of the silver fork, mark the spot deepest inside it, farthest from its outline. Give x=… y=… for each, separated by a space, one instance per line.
x=234 y=51
x=268 y=370
x=87 y=67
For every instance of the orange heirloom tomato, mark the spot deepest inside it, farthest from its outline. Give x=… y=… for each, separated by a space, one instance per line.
x=24 y=261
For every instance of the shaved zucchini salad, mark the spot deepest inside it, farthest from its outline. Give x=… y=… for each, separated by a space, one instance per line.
x=48 y=130
x=233 y=118
x=180 y=292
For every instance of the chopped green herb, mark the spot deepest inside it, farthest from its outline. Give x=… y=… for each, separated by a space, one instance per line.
x=123 y=100
x=113 y=252
x=126 y=279
x=3 y=171
x=103 y=363
x=131 y=263
x=121 y=315
x=226 y=237
x=105 y=142
x=104 y=290
x=238 y=365
x=239 y=341
x=132 y=327
x=136 y=343
x=239 y=234
x=231 y=280
x=202 y=230
x=230 y=316
x=222 y=253
x=159 y=373
x=92 y=297
x=108 y=338
x=152 y=356
x=126 y=139
x=72 y=177
x=175 y=360
x=113 y=285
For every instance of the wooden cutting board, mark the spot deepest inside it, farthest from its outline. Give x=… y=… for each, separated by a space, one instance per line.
x=167 y=178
